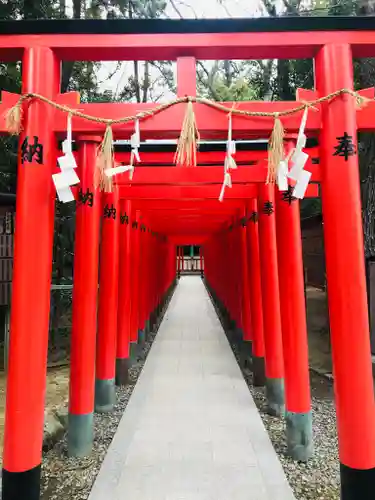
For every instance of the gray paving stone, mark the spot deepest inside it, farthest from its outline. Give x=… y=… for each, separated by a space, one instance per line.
x=191 y=430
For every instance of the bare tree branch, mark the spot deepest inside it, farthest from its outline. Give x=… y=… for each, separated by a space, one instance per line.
x=137 y=84
x=175 y=8
x=222 y=4
x=270 y=7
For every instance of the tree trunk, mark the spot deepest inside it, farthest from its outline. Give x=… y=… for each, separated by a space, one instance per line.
x=228 y=74
x=146 y=82
x=32 y=9
x=62 y=8
x=68 y=66
x=283 y=86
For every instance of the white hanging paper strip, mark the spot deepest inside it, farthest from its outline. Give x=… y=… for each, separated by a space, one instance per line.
x=67 y=144
x=298 y=160
x=301 y=132
x=135 y=154
x=301 y=142
x=137 y=132
x=282 y=176
x=134 y=143
x=66 y=148
x=135 y=139
x=65 y=178
x=302 y=183
x=231 y=148
x=110 y=172
x=303 y=121
x=65 y=194
x=231 y=144
x=229 y=128
x=227 y=183
x=221 y=195
x=67 y=161
x=228 y=180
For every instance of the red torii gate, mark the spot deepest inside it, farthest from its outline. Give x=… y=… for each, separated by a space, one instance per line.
x=41 y=50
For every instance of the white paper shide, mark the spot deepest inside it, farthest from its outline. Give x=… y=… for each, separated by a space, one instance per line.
x=67 y=163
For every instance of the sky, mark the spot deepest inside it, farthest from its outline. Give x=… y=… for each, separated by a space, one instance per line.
x=211 y=8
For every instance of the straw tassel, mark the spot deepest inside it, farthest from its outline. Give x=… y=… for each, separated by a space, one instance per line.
x=275 y=150
x=13 y=118
x=105 y=161
x=186 y=152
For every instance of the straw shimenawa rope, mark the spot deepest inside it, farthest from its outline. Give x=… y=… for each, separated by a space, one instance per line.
x=104 y=161
x=187 y=143
x=186 y=152
x=275 y=150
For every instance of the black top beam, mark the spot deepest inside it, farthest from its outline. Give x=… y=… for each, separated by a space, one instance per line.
x=155 y=26
x=203 y=147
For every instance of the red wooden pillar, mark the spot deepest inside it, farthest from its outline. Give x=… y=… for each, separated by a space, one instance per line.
x=271 y=301
x=293 y=321
x=105 y=394
x=255 y=293
x=237 y=278
x=186 y=76
x=135 y=262
x=228 y=271
x=85 y=295
x=125 y=295
x=245 y=295
x=32 y=267
x=144 y=280
x=345 y=269
x=156 y=266
x=246 y=315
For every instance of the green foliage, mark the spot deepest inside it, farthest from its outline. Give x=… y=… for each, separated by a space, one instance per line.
x=239 y=90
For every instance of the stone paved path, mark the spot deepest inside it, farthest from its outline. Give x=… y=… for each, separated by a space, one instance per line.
x=191 y=430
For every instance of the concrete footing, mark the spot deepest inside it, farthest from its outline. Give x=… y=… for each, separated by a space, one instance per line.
x=80 y=435
x=133 y=352
x=122 y=371
x=275 y=396
x=299 y=435
x=259 y=371
x=105 y=395
x=246 y=353
x=142 y=335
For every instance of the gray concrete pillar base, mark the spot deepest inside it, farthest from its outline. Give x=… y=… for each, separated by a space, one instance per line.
x=259 y=371
x=299 y=435
x=105 y=395
x=80 y=435
x=134 y=352
x=142 y=335
x=237 y=335
x=275 y=396
x=148 y=329
x=246 y=349
x=153 y=317
x=122 y=371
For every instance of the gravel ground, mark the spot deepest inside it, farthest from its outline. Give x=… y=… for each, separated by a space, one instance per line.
x=67 y=478
x=318 y=479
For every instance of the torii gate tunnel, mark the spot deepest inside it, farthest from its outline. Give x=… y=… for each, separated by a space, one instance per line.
x=250 y=243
